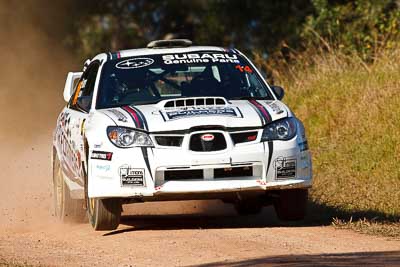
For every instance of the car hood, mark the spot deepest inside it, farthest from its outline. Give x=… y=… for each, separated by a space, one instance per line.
x=165 y=116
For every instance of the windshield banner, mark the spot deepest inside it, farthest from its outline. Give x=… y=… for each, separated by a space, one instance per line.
x=200 y=58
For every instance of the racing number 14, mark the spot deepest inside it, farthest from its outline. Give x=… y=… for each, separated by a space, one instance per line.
x=244 y=68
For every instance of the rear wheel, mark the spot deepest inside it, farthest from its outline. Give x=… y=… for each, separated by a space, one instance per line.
x=104 y=214
x=291 y=204
x=248 y=207
x=66 y=209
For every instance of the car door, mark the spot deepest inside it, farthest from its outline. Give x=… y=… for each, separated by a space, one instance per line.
x=74 y=116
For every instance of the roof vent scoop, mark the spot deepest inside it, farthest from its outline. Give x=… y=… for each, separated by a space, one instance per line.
x=170 y=43
x=193 y=102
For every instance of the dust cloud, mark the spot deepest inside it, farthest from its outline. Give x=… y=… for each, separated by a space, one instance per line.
x=33 y=65
x=32 y=70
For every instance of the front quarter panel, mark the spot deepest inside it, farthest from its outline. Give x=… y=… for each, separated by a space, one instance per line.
x=97 y=142
x=96 y=131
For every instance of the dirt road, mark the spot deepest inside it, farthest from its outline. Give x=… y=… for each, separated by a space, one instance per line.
x=163 y=234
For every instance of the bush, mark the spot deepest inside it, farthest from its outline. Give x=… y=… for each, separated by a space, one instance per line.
x=364 y=26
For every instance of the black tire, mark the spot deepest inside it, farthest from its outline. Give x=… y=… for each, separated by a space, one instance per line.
x=66 y=209
x=292 y=204
x=104 y=214
x=248 y=207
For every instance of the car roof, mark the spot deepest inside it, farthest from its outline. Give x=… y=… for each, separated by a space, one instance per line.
x=157 y=51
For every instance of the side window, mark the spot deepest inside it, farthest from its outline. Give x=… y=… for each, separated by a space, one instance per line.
x=82 y=98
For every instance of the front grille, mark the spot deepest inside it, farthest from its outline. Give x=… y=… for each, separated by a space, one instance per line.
x=200 y=145
x=183 y=175
x=169 y=140
x=243 y=137
x=233 y=172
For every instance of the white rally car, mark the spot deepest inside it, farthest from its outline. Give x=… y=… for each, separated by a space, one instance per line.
x=176 y=122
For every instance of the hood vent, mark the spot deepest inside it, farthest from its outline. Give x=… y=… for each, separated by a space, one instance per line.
x=195 y=102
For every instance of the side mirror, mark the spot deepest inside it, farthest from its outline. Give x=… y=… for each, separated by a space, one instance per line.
x=72 y=77
x=279 y=92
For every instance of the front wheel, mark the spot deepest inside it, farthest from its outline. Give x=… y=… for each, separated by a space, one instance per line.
x=291 y=204
x=104 y=214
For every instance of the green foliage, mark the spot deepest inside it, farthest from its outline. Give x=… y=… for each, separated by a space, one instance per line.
x=365 y=26
x=249 y=25
x=265 y=27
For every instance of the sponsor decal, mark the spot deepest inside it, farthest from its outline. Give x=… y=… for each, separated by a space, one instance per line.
x=98 y=145
x=146 y=159
x=67 y=147
x=134 y=63
x=101 y=155
x=78 y=159
x=137 y=117
x=276 y=108
x=131 y=176
x=262 y=111
x=285 y=168
x=227 y=111
x=65 y=120
x=270 y=153
x=120 y=116
x=103 y=168
x=200 y=58
x=72 y=156
x=207 y=137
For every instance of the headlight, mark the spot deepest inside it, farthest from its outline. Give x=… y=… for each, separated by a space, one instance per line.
x=125 y=137
x=280 y=130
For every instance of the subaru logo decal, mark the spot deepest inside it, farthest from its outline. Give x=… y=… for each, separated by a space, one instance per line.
x=207 y=137
x=134 y=63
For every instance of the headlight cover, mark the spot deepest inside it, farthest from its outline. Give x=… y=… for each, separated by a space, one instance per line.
x=284 y=129
x=126 y=137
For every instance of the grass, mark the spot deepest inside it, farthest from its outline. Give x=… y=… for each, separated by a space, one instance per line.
x=5 y=263
x=369 y=226
x=351 y=112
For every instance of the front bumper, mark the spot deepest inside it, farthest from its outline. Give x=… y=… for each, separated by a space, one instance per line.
x=275 y=165
x=229 y=185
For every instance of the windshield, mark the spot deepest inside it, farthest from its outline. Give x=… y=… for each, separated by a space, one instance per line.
x=151 y=78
